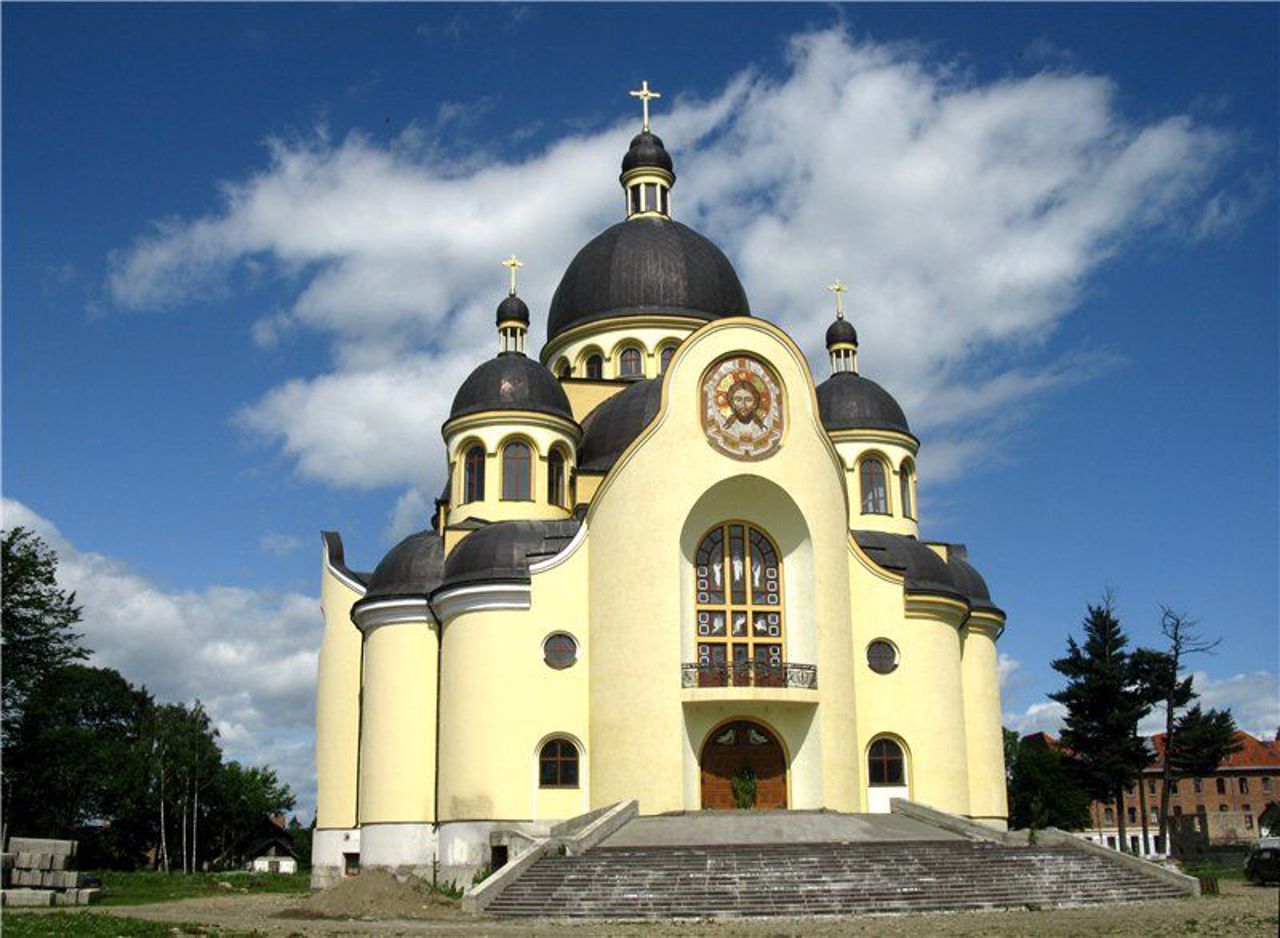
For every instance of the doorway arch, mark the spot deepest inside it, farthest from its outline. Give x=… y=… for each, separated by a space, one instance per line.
x=750 y=753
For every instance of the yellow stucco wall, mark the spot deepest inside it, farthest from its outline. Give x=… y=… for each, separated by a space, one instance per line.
x=397 y=738
x=585 y=396
x=337 y=705
x=500 y=701
x=985 y=740
x=645 y=522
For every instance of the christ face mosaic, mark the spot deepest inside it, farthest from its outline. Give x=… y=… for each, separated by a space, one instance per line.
x=742 y=412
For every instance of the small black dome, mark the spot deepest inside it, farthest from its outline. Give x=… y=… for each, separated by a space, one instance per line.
x=513 y=309
x=647 y=150
x=848 y=401
x=841 y=332
x=504 y=550
x=609 y=429
x=511 y=382
x=411 y=568
x=646 y=265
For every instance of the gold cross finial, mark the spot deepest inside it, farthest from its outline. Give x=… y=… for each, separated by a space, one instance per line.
x=645 y=96
x=512 y=264
x=839 y=289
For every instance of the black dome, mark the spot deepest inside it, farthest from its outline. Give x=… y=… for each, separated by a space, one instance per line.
x=848 y=401
x=647 y=150
x=646 y=265
x=411 y=568
x=841 y=332
x=512 y=308
x=609 y=429
x=511 y=382
x=504 y=550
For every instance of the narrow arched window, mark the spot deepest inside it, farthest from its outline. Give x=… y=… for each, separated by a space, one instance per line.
x=595 y=367
x=739 y=609
x=555 y=478
x=885 y=764
x=516 y=472
x=562 y=369
x=630 y=363
x=875 y=496
x=904 y=484
x=558 y=764
x=665 y=358
x=473 y=475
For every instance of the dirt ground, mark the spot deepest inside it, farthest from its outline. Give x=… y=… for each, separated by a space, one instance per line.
x=1240 y=910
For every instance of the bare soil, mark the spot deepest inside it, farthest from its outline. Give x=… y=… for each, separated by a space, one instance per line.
x=1241 y=910
x=376 y=894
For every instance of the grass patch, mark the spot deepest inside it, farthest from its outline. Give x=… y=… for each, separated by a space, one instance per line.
x=1214 y=869
x=143 y=887
x=95 y=925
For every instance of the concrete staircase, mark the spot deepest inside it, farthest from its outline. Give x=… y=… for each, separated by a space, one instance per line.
x=819 y=879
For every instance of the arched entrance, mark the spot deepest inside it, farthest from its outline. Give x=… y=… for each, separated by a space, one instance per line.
x=750 y=755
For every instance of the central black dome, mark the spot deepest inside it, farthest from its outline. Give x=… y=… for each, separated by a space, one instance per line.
x=646 y=265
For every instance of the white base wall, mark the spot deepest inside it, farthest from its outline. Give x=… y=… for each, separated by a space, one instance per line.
x=404 y=847
x=879 y=796
x=327 y=848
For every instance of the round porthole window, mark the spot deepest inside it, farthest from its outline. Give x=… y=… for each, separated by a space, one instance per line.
x=559 y=651
x=882 y=657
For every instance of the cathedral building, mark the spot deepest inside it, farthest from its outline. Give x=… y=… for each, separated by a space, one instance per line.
x=669 y=565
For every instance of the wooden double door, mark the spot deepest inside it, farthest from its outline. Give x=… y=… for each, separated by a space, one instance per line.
x=750 y=754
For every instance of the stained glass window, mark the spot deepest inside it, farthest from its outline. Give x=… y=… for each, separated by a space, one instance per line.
x=885 y=763
x=558 y=765
x=739 y=615
x=875 y=497
x=517 y=484
x=555 y=478
x=473 y=475
x=560 y=651
x=630 y=363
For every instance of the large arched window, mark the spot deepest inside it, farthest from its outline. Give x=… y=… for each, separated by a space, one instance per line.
x=517 y=482
x=739 y=607
x=473 y=475
x=558 y=764
x=875 y=494
x=630 y=363
x=555 y=478
x=905 y=472
x=885 y=763
x=594 y=367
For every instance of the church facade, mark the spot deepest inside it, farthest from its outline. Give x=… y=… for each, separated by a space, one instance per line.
x=668 y=566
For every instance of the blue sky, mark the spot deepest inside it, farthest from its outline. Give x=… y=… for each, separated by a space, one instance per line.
x=250 y=251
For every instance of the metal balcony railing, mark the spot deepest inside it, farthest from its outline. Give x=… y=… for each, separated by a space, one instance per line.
x=750 y=674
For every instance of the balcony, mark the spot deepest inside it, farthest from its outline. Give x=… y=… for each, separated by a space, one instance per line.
x=750 y=680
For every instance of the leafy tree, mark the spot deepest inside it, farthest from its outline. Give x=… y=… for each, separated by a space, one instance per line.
x=1044 y=789
x=1104 y=706
x=37 y=636
x=75 y=757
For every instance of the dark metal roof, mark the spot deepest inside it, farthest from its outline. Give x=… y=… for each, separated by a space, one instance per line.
x=848 y=401
x=411 y=568
x=651 y=265
x=611 y=426
x=841 y=331
x=924 y=571
x=512 y=308
x=511 y=382
x=503 y=551
x=333 y=544
x=647 y=150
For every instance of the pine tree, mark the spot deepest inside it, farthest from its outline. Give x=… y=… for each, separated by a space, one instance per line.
x=1104 y=706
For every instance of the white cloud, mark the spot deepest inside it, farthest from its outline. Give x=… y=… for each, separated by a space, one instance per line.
x=279 y=545
x=249 y=656
x=1006 y=666
x=411 y=514
x=967 y=217
x=1046 y=717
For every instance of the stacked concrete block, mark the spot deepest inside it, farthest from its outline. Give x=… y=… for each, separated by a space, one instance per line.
x=35 y=873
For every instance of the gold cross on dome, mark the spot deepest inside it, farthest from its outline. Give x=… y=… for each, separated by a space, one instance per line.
x=645 y=96
x=512 y=264
x=839 y=289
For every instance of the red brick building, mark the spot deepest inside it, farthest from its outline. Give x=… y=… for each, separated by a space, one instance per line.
x=1222 y=809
